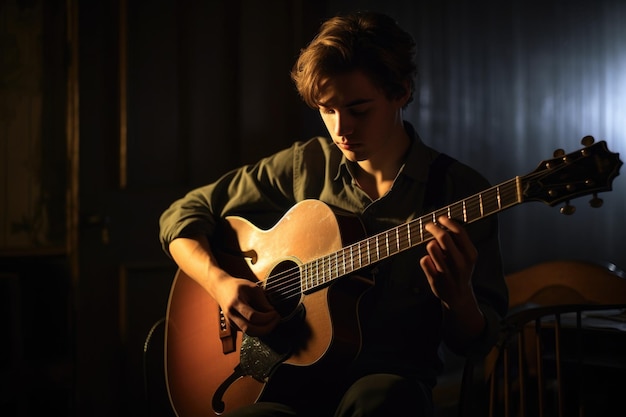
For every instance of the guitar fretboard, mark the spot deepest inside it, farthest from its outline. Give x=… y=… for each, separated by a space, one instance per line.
x=383 y=245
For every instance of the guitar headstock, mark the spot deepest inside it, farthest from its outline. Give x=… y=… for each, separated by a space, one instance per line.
x=589 y=170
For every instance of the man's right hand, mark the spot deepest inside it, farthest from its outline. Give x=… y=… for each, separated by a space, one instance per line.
x=243 y=302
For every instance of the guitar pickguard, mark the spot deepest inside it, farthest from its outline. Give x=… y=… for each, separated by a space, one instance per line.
x=258 y=359
x=259 y=356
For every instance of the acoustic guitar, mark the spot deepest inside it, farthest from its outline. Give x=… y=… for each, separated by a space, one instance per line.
x=308 y=266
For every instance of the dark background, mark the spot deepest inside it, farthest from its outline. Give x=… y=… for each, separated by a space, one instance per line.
x=143 y=100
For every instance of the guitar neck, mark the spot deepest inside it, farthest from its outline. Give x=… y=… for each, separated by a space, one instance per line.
x=364 y=253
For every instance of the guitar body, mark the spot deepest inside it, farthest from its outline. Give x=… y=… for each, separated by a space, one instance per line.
x=204 y=353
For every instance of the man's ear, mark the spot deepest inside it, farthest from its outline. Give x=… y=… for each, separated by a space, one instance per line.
x=404 y=99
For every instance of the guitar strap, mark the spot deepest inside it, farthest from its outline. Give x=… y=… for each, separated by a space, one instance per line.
x=434 y=196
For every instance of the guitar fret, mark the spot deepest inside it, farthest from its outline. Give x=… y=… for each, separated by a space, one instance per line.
x=473 y=209
x=455 y=211
x=328 y=275
x=387 y=242
x=490 y=201
x=499 y=200
x=513 y=194
x=341 y=261
x=338 y=264
x=480 y=198
x=376 y=249
x=408 y=231
x=327 y=270
x=309 y=275
x=351 y=260
x=397 y=239
x=318 y=273
x=464 y=212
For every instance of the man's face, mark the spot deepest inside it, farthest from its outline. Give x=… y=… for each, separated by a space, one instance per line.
x=361 y=120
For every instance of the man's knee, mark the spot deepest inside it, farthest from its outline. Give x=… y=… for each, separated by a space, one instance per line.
x=385 y=395
x=263 y=409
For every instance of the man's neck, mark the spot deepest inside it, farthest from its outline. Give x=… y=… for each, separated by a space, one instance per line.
x=376 y=175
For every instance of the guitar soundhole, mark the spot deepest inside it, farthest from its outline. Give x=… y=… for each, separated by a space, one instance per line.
x=282 y=288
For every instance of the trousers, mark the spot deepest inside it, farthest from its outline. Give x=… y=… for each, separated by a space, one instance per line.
x=375 y=395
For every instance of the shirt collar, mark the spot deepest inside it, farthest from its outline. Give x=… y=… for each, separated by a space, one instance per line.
x=416 y=164
x=418 y=159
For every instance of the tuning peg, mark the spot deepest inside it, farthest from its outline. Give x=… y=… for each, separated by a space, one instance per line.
x=568 y=209
x=596 y=202
x=587 y=140
x=558 y=153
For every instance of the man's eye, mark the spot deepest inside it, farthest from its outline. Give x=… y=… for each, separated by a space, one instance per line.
x=326 y=110
x=358 y=112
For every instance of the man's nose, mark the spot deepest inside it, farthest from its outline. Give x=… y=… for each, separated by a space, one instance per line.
x=344 y=125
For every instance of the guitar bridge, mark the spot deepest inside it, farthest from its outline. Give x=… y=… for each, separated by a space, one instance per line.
x=227 y=336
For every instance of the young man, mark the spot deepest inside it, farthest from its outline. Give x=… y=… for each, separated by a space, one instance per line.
x=359 y=73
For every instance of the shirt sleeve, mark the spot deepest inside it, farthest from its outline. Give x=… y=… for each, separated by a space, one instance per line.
x=489 y=288
x=261 y=192
x=488 y=278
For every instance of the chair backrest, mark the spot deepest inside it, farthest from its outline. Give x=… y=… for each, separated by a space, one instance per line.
x=566 y=282
x=560 y=313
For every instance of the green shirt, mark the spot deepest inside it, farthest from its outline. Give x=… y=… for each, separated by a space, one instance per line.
x=400 y=317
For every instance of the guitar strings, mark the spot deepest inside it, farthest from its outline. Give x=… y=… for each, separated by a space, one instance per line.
x=310 y=275
x=290 y=282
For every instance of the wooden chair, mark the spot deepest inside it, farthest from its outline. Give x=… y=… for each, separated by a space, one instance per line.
x=155 y=390
x=566 y=327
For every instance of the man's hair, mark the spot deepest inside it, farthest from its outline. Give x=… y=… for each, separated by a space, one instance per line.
x=366 y=41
